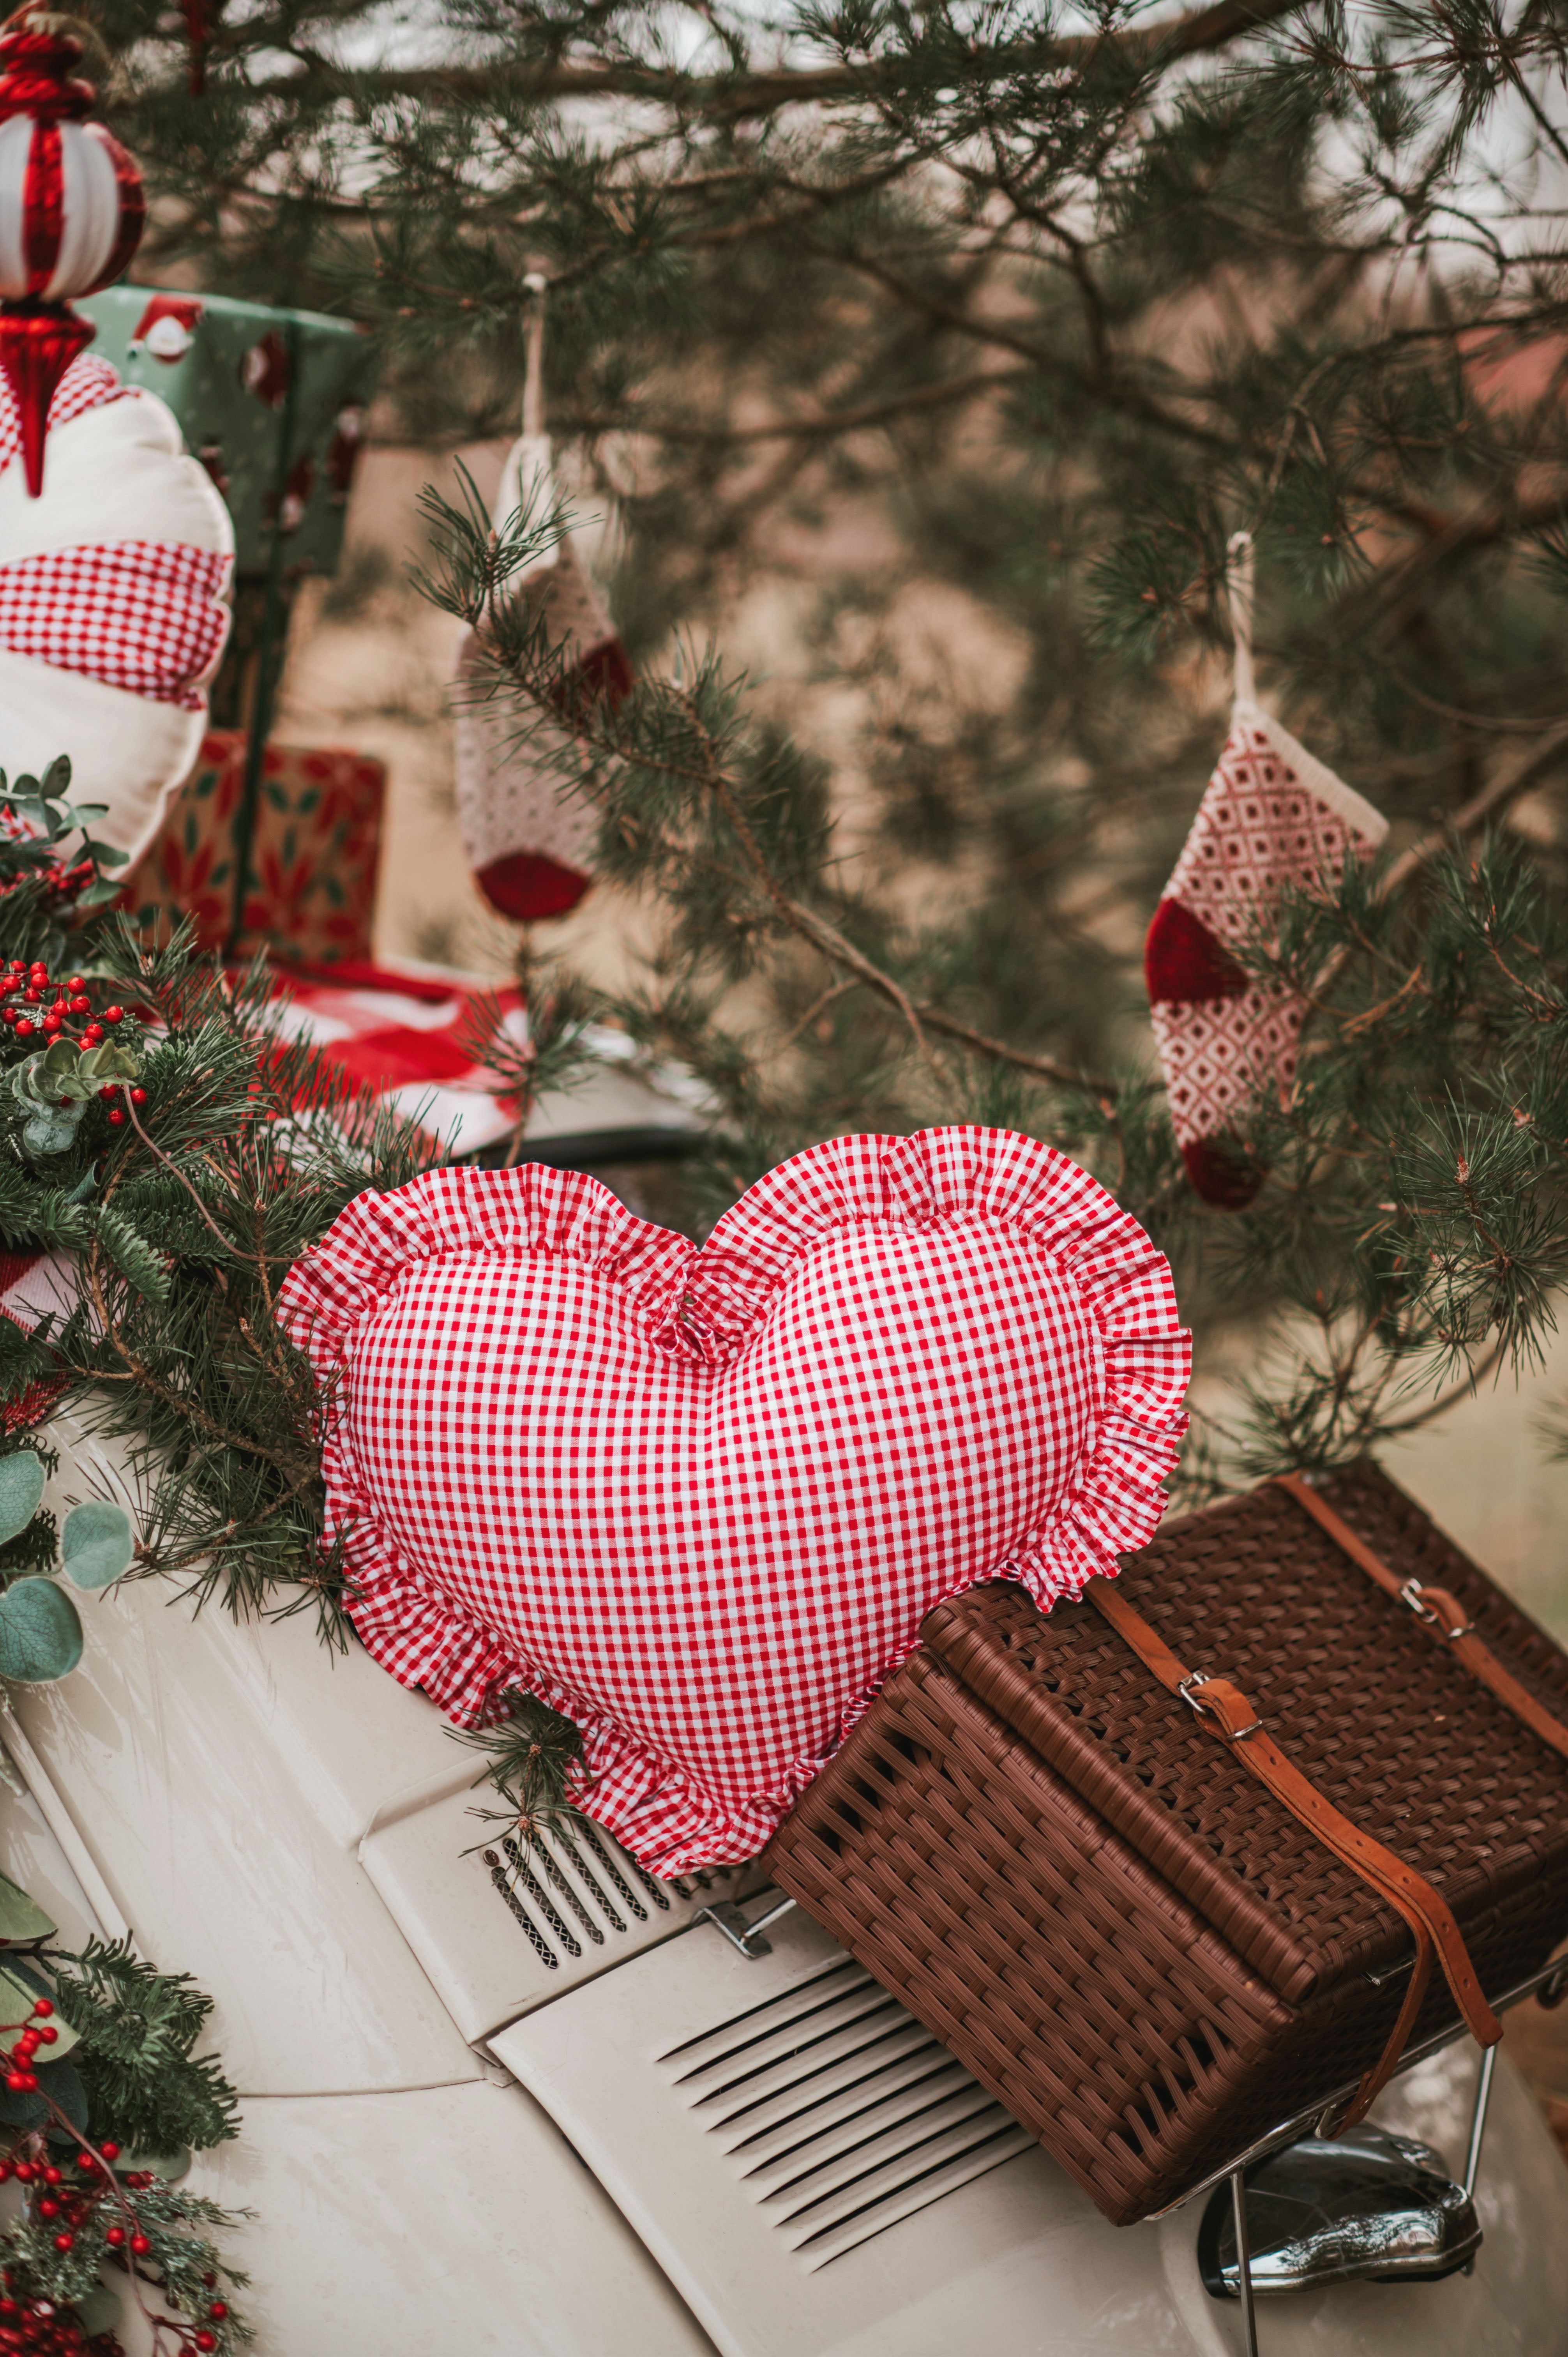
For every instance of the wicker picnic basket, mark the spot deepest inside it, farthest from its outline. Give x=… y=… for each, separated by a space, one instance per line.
x=1157 y=1931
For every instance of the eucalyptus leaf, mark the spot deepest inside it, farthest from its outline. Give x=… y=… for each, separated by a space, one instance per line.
x=52 y=1133
x=110 y=1062
x=21 y=1492
x=21 y=1917
x=97 y=1543
x=22 y=2111
x=26 y=1081
x=99 y=2312
x=40 y=1634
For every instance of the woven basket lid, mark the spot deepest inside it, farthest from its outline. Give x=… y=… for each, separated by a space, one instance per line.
x=1389 y=1724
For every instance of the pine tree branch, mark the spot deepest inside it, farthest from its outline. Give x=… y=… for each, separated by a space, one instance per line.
x=1042 y=1067
x=746 y=96
x=1102 y=386
x=1493 y=796
x=824 y=428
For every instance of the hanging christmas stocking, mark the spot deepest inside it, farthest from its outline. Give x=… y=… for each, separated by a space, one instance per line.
x=527 y=839
x=1273 y=818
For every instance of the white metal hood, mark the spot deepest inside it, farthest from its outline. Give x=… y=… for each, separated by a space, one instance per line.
x=819 y=2179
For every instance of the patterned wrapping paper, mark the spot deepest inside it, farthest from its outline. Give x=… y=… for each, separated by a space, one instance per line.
x=700 y=1501
x=313 y=857
x=237 y=376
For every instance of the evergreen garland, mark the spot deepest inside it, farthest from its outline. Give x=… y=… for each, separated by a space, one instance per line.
x=144 y=2087
x=99 y=2080
x=186 y=1153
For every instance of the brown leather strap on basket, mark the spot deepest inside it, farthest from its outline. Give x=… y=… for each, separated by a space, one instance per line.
x=1226 y=1712
x=1441 y=1612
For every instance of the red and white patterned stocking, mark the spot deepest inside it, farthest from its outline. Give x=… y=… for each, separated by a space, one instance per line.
x=527 y=839
x=1273 y=818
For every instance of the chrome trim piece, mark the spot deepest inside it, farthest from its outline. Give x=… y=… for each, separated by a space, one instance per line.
x=1368 y=2206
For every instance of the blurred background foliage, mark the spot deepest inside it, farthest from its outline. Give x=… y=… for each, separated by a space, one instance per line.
x=969 y=333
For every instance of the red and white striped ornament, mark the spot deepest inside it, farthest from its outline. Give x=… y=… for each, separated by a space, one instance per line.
x=71 y=211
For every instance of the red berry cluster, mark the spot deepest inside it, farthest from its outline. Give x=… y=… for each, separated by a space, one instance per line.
x=41 y=2329
x=63 y=884
x=58 y=2202
x=39 y=1007
x=21 y=2078
x=40 y=2326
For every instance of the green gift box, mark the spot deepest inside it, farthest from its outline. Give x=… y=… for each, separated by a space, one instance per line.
x=271 y=402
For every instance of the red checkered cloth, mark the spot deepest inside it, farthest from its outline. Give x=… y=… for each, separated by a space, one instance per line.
x=701 y=1500
x=399 y=1035
x=31 y=1285
x=86 y=384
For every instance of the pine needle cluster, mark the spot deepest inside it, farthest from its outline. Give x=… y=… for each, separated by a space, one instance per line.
x=145 y=2088
x=248 y=1146
x=530 y=1756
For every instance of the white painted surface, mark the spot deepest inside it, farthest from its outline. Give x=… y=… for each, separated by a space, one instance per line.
x=429 y=1865
x=196 y=1788
x=449 y=2222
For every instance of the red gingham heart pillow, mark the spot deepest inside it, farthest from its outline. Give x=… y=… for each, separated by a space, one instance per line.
x=701 y=1500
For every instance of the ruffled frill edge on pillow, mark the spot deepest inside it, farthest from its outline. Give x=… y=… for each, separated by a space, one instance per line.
x=530 y=1212
x=703 y=1305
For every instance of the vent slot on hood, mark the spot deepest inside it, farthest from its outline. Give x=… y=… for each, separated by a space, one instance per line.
x=575 y=1885
x=839 y=2110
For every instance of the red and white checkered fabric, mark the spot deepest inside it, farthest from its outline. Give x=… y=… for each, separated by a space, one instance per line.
x=87 y=384
x=392 y=1033
x=144 y=615
x=699 y=1499
x=33 y=1285
x=1273 y=818
x=399 y=1035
